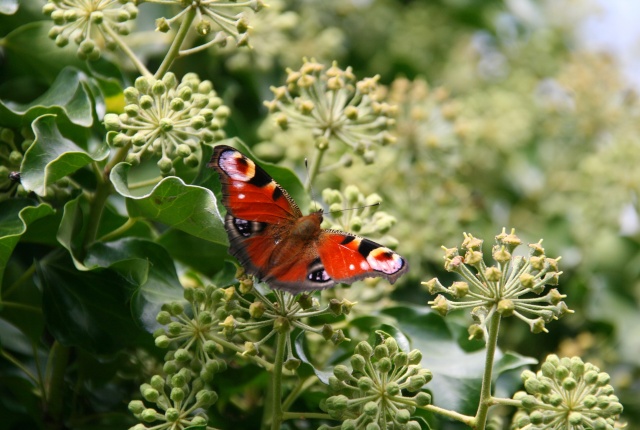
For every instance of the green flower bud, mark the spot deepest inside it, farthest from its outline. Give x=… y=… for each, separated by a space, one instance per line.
x=365 y=383
x=292 y=364
x=172 y=415
x=182 y=355
x=358 y=363
x=177 y=394
x=384 y=365
x=136 y=407
x=162 y=341
x=415 y=357
x=422 y=399
x=403 y=416
x=149 y=415
x=282 y=325
x=149 y=393
x=493 y=274
x=364 y=349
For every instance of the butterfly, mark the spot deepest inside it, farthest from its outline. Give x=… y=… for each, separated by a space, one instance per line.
x=289 y=251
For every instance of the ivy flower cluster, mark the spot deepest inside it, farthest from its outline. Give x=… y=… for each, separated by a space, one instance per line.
x=503 y=288
x=180 y=401
x=223 y=18
x=168 y=119
x=334 y=107
x=372 y=395
x=567 y=394
x=90 y=23
x=351 y=210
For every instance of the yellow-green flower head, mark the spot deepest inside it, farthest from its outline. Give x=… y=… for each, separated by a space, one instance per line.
x=505 y=288
x=567 y=394
x=90 y=24
x=168 y=119
x=333 y=106
x=221 y=18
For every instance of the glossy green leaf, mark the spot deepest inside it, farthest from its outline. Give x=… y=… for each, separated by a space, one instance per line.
x=147 y=267
x=8 y=7
x=30 y=53
x=52 y=156
x=72 y=229
x=15 y=217
x=189 y=208
x=199 y=254
x=86 y=309
x=300 y=347
x=68 y=96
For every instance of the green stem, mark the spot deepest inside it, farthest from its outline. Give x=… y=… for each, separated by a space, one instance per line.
x=56 y=369
x=118 y=231
x=305 y=416
x=485 y=392
x=96 y=207
x=466 y=419
x=174 y=49
x=302 y=385
x=22 y=306
x=276 y=378
x=128 y=52
x=315 y=166
x=27 y=274
x=10 y=358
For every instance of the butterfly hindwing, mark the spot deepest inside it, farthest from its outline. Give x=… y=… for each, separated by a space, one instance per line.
x=348 y=258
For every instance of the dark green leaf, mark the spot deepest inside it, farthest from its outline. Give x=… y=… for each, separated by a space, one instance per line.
x=52 y=156
x=72 y=229
x=29 y=51
x=86 y=309
x=15 y=217
x=186 y=207
x=300 y=346
x=147 y=267
x=68 y=96
x=199 y=254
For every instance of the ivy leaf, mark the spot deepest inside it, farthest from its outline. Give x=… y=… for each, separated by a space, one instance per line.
x=86 y=309
x=68 y=96
x=145 y=265
x=29 y=52
x=205 y=257
x=51 y=157
x=15 y=217
x=189 y=208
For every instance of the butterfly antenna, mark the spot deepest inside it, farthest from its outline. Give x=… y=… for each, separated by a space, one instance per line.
x=355 y=208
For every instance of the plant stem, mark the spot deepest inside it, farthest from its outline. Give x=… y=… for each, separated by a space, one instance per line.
x=128 y=52
x=26 y=275
x=485 y=392
x=174 y=49
x=276 y=379
x=98 y=201
x=466 y=419
x=56 y=369
x=306 y=416
x=315 y=166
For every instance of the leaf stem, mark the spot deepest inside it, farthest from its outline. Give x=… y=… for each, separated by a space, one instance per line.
x=174 y=49
x=315 y=166
x=10 y=358
x=276 y=378
x=466 y=419
x=128 y=52
x=130 y=222
x=56 y=369
x=306 y=416
x=27 y=274
x=485 y=392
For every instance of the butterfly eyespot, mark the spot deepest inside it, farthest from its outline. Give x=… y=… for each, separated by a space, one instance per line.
x=319 y=276
x=247 y=228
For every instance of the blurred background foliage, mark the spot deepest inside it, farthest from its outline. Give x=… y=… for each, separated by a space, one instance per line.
x=503 y=121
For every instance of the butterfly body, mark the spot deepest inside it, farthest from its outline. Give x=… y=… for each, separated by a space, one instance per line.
x=276 y=243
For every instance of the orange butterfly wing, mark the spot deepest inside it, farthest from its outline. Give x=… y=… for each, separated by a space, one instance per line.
x=274 y=242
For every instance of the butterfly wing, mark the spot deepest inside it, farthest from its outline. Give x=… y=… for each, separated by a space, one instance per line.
x=259 y=211
x=348 y=258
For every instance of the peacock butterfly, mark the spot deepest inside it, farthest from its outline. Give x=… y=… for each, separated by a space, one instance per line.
x=276 y=243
